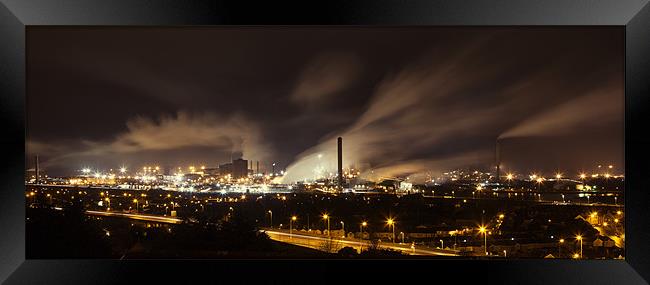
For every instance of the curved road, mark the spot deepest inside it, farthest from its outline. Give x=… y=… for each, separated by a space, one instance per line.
x=318 y=242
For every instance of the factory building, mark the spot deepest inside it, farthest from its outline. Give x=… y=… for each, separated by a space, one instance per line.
x=238 y=168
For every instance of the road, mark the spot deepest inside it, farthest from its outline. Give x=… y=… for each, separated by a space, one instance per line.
x=150 y=218
x=319 y=242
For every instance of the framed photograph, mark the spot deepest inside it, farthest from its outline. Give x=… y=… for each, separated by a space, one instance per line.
x=173 y=141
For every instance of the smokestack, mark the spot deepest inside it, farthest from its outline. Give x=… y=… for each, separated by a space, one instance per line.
x=340 y=159
x=36 y=168
x=498 y=161
x=258 y=167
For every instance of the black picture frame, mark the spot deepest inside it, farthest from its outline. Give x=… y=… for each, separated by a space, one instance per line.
x=16 y=15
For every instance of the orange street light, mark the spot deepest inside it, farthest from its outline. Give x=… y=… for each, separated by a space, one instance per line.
x=391 y=223
x=483 y=230
x=327 y=217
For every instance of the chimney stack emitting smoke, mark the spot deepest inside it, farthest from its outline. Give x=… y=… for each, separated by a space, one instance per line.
x=36 y=169
x=340 y=160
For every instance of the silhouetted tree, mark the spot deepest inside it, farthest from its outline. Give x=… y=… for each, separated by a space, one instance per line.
x=348 y=252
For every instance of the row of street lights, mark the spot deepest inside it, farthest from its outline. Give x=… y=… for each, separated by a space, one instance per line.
x=391 y=223
x=326 y=217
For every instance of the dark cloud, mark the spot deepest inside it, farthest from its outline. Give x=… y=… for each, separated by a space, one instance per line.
x=324 y=77
x=406 y=100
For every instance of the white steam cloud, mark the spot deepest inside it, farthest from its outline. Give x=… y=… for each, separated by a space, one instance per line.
x=236 y=134
x=587 y=110
x=445 y=113
x=406 y=116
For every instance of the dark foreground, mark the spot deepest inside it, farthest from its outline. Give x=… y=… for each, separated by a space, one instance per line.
x=68 y=233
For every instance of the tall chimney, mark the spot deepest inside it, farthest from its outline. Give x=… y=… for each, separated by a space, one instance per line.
x=258 y=167
x=36 y=169
x=340 y=160
x=498 y=161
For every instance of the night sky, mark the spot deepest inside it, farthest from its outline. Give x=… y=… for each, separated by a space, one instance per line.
x=407 y=101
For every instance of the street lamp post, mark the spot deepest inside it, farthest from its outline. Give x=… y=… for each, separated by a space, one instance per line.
x=327 y=217
x=442 y=244
x=136 y=204
x=363 y=224
x=559 y=248
x=483 y=230
x=343 y=228
x=271 y=214
x=294 y=218
x=391 y=223
x=580 y=239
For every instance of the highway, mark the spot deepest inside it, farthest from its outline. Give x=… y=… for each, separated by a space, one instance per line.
x=150 y=218
x=319 y=242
